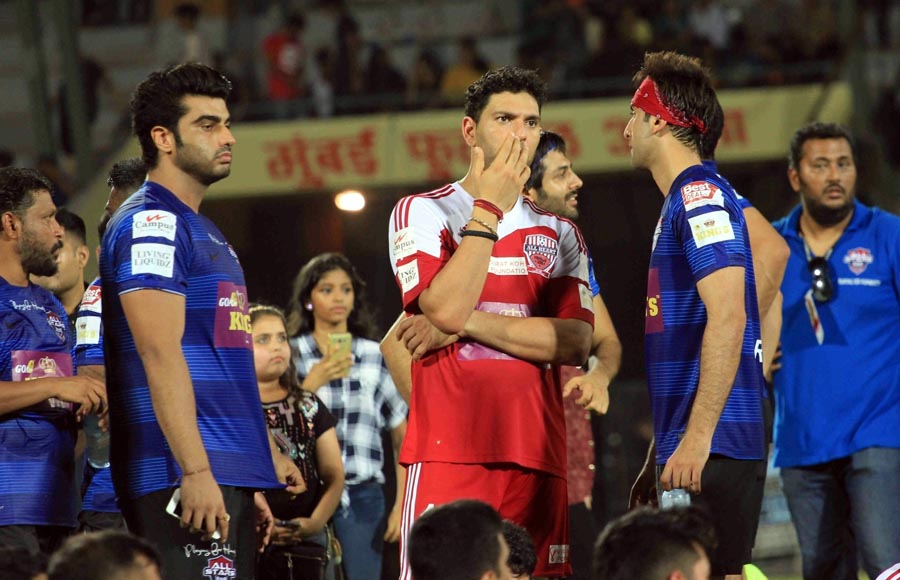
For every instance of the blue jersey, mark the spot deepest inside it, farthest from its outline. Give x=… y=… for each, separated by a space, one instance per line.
x=99 y=495
x=156 y=242
x=37 y=465
x=701 y=230
x=840 y=394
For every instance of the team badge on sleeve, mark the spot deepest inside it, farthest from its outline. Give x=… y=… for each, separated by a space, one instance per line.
x=711 y=227
x=699 y=193
x=404 y=244
x=156 y=259
x=87 y=330
x=408 y=276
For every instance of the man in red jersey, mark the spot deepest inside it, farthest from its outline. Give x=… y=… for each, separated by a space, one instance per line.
x=507 y=282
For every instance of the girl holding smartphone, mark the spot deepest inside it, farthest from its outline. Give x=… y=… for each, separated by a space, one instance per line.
x=327 y=303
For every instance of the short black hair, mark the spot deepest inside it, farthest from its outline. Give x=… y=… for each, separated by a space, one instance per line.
x=99 y=556
x=685 y=85
x=17 y=188
x=158 y=101
x=187 y=10
x=455 y=541
x=506 y=79
x=647 y=544
x=18 y=563
x=715 y=126
x=72 y=223
x=127 y=174
x=522 y=557
x=818 y=130
x=550 y=141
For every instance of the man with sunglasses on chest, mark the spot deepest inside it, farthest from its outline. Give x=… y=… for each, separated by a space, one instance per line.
x=837 y=393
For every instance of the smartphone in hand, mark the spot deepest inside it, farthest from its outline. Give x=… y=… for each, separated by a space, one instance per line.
x=174 y=510
x=340 y=343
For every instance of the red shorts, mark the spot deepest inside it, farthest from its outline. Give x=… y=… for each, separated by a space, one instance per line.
x=533 y=499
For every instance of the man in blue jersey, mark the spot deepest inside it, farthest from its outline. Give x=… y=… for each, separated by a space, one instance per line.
x=40 y=399
x=703 y=347
x=184 y=406
x=99 y=510
x=68 y=282
x=837 y=412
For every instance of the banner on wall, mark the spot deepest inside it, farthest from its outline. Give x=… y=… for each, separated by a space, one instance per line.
x=418 y=148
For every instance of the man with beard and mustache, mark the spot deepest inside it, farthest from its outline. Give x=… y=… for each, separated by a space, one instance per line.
x=40 y=400
x=837 y=394
x=508 y=282
x=68 y=282
x=184 y=405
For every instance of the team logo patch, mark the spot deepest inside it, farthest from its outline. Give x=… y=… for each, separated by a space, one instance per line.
x=711 y=227
x=91 y=300
x=220 y=567
x=403 y=244
x=858 y=259
x=232 y=328
x=699 y=193
x=541 y=252
x=156 y=259
x=87 y=330
x=408 y=276
x=57 y=325
x=154 y=224
x=559 y=553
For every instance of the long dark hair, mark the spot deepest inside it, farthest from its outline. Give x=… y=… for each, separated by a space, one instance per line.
x=289 y=379
x=301 y=321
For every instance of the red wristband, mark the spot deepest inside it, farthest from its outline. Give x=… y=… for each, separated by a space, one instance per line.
x=489 y=207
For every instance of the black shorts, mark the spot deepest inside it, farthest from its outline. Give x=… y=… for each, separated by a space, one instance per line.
x=35 y=539
x=732 y=499
x=187 y=555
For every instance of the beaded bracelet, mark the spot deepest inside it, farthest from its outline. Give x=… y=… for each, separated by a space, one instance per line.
x=484 y=224
x=478 y=234
x=489 y=207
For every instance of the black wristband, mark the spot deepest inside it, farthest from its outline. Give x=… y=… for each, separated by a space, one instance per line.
x=478 y=234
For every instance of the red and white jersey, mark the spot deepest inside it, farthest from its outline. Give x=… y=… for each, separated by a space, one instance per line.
x=471 y=403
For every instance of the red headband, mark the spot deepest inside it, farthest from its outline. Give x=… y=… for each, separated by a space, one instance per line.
x=647 y=98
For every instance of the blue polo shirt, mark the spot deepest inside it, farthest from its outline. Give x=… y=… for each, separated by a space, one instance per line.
x=701 y=230
x=841 y=396
x=155 y=241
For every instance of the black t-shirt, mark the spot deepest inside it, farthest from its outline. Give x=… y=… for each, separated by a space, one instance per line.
x=296 y=422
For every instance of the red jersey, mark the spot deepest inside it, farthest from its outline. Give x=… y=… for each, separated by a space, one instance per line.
x=471 y=403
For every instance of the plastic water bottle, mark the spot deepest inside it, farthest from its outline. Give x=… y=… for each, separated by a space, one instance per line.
x=97 y=443
x=674 y=498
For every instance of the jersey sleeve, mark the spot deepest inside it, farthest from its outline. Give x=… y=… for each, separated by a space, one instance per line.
x=569 y=294
x=89 y=328
x=151 y=249
x=710 y=226
x=420 y=245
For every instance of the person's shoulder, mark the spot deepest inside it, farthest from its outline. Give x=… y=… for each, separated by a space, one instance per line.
x=435 y=197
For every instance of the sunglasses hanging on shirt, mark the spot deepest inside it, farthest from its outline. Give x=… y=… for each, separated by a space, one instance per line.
x=821 y=286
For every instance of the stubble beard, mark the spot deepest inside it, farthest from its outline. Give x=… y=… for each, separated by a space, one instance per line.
x=191 y=163
x=827 y=216
x=36 y=260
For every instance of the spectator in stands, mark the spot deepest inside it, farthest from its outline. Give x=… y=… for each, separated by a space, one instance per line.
x=285 y=57
x=321 y=76
x=468 y=68
x=461 y=540
x=424 y=88
x=106 y=555
x=649 y=544
x=709 y=21
x=194 y=47
x=383 y=81
x=93 y=78
x=349 y=71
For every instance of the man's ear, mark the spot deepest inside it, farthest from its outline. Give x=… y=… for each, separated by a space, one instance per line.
x=163 y=138
x=468 y=131
x=10 y=225
x=530 y=193
x=657 y=125
x=794 y=179
x=83 y=254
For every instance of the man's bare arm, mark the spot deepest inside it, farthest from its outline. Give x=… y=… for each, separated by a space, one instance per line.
x=607 y=350
x=172 y=394
x=398 y=360
x=770 y=256
x=535 y=339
